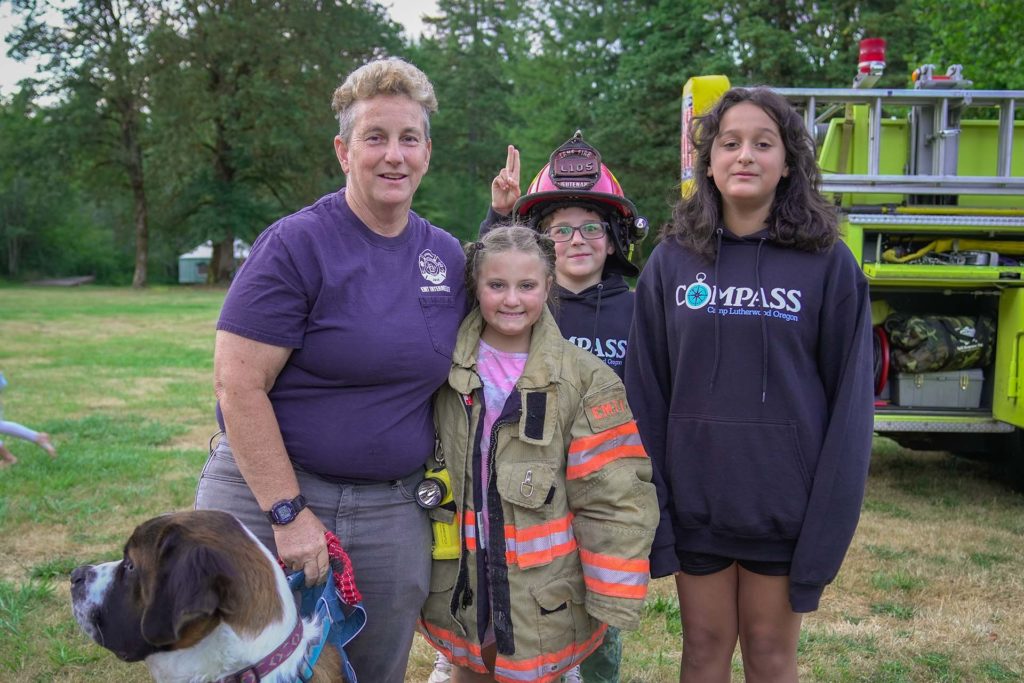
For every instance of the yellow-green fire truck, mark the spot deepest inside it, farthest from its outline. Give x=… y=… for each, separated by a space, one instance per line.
x=929 y=182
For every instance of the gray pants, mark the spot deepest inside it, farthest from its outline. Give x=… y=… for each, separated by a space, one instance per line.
x=384 y=532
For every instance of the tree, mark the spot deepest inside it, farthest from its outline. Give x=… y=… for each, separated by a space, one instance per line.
x=638 y=119
x=467 y=60
x=99 y=53
x=795 y=43
x=241 y=102
x=982 y=35
x=47 y=225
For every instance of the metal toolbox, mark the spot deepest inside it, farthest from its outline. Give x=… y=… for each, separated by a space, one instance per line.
x=949 y=389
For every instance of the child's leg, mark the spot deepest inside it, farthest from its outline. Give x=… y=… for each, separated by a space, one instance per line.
x=603 y=665
x=707 y=609
x=769 y=628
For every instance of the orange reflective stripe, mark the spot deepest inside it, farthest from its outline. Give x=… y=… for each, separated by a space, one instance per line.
x=540 y=543
x=458 y=650
x=585 y=443
x=598 y=461
x=549 y=666
x=621 y=564
x=588 y=454
x=546 y=529
x=447 y=638
x=469 y=529
x=616 y=577
x=532 y=559
x=615 y=590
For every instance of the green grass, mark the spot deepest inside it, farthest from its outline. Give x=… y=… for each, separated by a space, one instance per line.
x=122 y=382
x=930 y=590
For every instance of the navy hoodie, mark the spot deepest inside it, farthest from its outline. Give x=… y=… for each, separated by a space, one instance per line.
x=597 y=319
x=751 y=381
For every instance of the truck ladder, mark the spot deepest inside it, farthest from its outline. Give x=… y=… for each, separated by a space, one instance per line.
x=941 y=131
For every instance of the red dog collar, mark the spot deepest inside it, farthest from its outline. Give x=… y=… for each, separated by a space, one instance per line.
x=263 y=668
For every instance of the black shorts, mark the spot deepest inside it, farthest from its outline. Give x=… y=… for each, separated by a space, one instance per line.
x=702 y=564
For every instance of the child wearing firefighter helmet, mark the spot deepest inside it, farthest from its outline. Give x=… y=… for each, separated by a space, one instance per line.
x=577 y=201
x=750 y=371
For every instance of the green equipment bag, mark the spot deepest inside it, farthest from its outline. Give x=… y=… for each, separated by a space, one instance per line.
x=932 y=343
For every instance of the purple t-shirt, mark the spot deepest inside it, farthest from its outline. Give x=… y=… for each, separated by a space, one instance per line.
x=372 y=321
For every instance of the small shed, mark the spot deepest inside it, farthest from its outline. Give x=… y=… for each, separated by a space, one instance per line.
x=193 y=266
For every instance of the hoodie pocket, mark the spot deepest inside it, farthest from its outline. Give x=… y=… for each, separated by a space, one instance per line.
x=743 y=478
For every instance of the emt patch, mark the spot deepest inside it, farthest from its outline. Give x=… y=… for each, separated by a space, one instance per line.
x=607 y=409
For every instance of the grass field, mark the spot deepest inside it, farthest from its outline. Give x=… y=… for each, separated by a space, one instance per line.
x=932 y=589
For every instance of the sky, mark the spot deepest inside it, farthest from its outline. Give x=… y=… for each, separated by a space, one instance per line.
x=409 y=13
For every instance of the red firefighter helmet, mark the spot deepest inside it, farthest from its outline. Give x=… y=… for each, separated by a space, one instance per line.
x=575 y=176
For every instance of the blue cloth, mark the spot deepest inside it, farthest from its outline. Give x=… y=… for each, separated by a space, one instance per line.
x=340 y=621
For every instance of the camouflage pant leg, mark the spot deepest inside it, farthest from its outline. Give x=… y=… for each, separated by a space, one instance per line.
x=603 y=665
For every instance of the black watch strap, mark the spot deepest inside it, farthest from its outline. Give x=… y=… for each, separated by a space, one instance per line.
x=285 y=511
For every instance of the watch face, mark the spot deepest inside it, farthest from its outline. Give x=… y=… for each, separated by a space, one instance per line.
x=283 y=512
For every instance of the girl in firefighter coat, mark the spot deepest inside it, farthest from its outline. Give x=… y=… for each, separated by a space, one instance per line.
x=552 y=487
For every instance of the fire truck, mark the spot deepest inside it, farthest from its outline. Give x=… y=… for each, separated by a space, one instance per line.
x=929 y=184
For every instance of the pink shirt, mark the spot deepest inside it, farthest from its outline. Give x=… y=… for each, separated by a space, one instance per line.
x=499 y=371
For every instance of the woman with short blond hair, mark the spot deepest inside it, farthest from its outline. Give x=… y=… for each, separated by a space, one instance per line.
x=332 y=339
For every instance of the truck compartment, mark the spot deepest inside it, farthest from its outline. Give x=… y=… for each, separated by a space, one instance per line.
x=917 y=384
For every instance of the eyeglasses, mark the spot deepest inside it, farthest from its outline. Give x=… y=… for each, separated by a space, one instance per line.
x=589 y=231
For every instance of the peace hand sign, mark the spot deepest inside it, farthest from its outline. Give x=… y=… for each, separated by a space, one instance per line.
x=505 y=186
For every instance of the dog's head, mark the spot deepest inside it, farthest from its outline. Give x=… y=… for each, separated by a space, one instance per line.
x=181 y=575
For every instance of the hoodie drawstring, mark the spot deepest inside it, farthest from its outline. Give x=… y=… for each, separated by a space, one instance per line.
x=597 y=314
x=718 y=253
x=764 y=325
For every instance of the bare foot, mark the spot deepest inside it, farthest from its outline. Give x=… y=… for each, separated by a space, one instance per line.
x=6 y=457
x=43 y=441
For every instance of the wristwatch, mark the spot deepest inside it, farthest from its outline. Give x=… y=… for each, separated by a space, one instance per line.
x=285 y=511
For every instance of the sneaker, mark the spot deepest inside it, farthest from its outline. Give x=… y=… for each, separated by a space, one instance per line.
x=573 y=675
x=442 y=672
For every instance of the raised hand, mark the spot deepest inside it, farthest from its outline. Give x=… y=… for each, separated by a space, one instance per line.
x=505 y=186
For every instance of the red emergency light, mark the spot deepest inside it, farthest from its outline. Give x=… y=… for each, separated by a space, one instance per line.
x=872 y=55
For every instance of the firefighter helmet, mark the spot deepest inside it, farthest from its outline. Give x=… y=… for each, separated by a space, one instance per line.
x=575 y=176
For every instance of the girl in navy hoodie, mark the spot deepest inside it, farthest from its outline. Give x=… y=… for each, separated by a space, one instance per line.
x=749 y=368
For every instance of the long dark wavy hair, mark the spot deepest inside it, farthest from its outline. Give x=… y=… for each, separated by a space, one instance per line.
x=800 y=217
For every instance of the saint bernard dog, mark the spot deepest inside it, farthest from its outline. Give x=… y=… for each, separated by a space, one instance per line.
x=199 y=599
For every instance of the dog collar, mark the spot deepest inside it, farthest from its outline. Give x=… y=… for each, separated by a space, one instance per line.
x=263 y=668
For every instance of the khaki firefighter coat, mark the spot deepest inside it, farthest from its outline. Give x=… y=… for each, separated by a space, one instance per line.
x=571 y=509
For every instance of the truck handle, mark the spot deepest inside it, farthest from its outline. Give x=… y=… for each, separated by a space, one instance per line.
x=1013 y=384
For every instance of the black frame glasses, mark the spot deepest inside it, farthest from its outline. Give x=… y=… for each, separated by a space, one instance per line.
x=564 y=233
